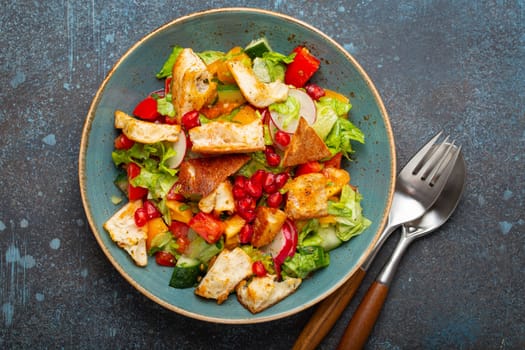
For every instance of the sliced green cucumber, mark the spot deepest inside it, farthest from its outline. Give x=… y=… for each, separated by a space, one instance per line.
x=185 y=273
x=257 y=47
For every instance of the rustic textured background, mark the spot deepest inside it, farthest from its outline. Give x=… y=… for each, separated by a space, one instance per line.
x=453 y=65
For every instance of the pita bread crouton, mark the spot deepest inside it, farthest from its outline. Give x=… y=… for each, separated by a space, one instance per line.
x=201 y=176
x=128 y=236
x=192 y=85
x=268 y=221
x=221 y=137
x=230 y=268
x=305 y=146
x=145 y=132
x=307 y=197
x=262 y=292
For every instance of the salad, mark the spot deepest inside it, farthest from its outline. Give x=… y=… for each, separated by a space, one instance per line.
x=232 y=173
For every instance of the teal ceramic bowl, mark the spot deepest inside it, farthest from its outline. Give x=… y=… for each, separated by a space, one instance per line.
x=133 y=77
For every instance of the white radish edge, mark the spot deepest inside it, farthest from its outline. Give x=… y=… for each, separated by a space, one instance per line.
x=307 y=111
x=180 y=147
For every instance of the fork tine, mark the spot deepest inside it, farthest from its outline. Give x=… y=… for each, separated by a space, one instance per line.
x=418 y=160
x=432 y=160
x=439 y=172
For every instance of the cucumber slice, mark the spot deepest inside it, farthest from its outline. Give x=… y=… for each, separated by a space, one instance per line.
x=257 y=47
x=186 y=273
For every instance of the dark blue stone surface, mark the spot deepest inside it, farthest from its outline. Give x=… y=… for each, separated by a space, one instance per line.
x=452 y=65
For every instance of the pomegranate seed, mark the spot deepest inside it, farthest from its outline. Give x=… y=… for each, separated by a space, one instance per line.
x=314 y=91
x=280 y=180
x=246 y=203
x=269 y=150
x=246 y=233
x=190 y=120
x=239 y=181
x=248 y=215
x=274 y=200
x=258 y=269
x=282 y=138
x=258 y=176
x=141 y=217
x=273 y=159
x=254 y=189
x=238 y=192
x=269 y=184
x=151 y=210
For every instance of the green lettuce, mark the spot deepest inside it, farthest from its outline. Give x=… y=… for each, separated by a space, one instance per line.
x=167 y=67
x=305 y=261
x=348 y=214
x=211 y=56
x=271 y=66
x=314 y=234
x=289 y=110
x=155 y=174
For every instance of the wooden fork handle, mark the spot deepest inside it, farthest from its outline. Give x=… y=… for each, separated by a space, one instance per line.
x=365 y=317
x=328 y=313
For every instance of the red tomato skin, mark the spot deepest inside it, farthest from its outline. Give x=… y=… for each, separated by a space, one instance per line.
x=302 y=68
x=165 y=259
x=308 y=168
x=123 y=142
x=207 y=226
x=134 y=193
x=147 y=109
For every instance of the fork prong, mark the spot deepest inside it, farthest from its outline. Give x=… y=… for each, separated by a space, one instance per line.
x=432 y=160
x=418 y=160
x=446 y=165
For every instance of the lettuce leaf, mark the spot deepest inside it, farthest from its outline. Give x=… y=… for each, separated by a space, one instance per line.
x=348 y=214
x=167 y=67
x=155 y=175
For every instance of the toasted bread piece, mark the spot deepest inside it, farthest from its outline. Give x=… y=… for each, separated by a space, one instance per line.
x=262 y=292
x=305 y=146
x=200 y=176
x=307 y=197
x=230 y=268
x=268 y=221
x=337 y=178
x=145 y=132
x=123 y=231
x=192 y=86
x=221 y=137
x=256 y=92
x=219 y=201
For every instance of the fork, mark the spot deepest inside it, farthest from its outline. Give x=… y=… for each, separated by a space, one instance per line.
x=418 y=185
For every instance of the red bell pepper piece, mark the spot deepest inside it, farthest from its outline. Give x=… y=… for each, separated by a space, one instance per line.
x=147 y=109
x=302 y=67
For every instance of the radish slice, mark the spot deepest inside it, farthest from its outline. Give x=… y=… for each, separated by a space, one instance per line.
x=180 y=147
x=307 y=111
x=284 y=244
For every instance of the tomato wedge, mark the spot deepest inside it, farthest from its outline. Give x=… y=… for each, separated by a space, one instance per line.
x=147 y=109
x=207 y=226
x=302 y=68
x=309 y=167
x=134 y=193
